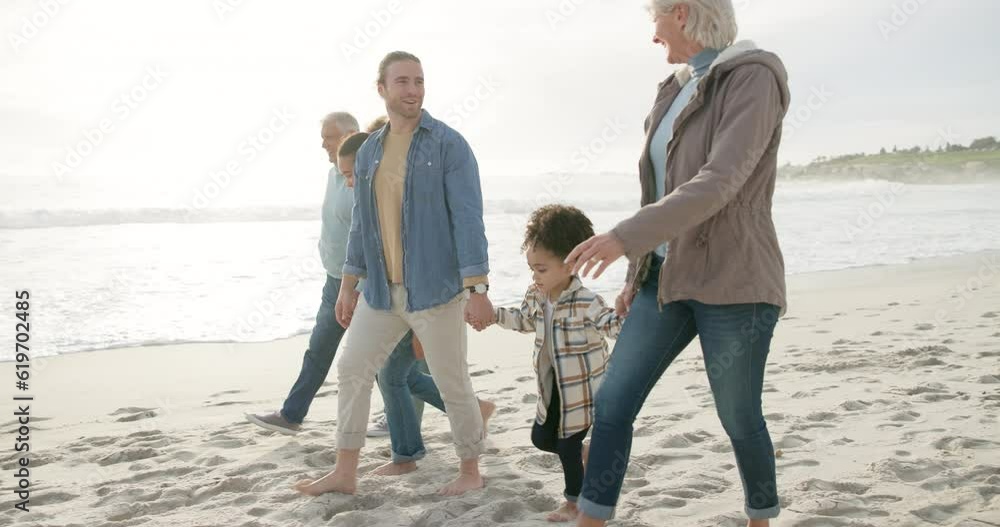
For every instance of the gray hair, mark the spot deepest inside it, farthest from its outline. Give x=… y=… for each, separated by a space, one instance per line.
x=711 y=23
x=345 y=122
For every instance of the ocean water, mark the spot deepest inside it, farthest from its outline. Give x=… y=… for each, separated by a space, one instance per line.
x=103 y=278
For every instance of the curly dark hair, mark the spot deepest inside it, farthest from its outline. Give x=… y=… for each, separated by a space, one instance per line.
x=558 y=229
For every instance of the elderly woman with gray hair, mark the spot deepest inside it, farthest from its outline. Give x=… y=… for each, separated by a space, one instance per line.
x=703 y=254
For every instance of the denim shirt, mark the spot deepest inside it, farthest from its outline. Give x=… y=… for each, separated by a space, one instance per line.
x=444 y=238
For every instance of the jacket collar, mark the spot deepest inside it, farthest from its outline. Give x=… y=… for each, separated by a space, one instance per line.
x=427 y=122
x=575 y=284
x=733 y=51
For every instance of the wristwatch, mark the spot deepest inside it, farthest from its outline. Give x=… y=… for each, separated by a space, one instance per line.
x=479 y=289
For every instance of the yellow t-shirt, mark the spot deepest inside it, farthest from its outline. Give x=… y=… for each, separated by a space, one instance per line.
x=390 y=179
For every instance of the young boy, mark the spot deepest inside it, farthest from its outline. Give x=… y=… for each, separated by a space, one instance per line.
x=570 y=323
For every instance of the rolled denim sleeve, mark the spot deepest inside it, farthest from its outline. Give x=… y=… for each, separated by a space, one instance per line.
x=355 y=264
x=464 y=198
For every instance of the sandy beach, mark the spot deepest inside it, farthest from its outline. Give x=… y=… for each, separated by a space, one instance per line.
x=882 y=397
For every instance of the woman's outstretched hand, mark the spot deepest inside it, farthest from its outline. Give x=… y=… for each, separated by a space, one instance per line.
x=600 y=251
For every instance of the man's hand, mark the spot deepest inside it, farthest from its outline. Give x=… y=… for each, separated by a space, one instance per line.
x=624 y=301
x=479 y=311
x=347 y=301
x=603 y=249
x=418 y=349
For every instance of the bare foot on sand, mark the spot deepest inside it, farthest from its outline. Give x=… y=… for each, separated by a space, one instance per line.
x=758 y=523
x=486 y=408
x=394 y=469
x=462 y=484
x=332 y=482
x=568 y=512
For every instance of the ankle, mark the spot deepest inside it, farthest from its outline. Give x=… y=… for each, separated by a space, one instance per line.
x=469 y=467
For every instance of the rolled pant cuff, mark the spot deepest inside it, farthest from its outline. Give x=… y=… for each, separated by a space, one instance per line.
x=400 y=458
x=763 y=514
x=351 y=441
x=595 y=511
x=571 y=499
x=471 y=451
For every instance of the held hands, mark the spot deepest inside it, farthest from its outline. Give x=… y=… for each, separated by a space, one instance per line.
x=624 y=301
x=479 y=312
x=600 y=251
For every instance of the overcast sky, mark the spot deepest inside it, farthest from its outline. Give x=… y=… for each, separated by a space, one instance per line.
x=533 y=85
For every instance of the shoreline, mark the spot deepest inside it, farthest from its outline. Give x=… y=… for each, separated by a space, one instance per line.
x=791 y=277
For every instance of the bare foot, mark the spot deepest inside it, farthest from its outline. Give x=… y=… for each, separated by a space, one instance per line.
x=758 y=523
x=332 y=482
x=462 y=484
x=568 y=512
x=394 y=469
x=486 y=408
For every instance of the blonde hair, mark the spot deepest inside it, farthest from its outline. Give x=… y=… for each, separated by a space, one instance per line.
x=711 y=23
x=390 y=59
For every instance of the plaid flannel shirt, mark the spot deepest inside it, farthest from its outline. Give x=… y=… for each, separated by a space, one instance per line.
x=580 y=322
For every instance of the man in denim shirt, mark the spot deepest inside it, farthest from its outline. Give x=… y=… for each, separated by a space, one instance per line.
x=417 y=235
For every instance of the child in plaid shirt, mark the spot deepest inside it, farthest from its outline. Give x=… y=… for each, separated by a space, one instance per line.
x=570 y=323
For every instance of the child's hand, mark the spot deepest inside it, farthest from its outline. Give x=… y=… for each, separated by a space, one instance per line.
x=479 y=324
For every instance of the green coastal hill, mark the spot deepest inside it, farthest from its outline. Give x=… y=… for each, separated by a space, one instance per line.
x=977 y=162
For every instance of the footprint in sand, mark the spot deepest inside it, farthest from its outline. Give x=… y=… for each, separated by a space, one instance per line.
x=227 y=392
x=908 y=471
x=799 y=463
x=791 y=441
x=849 y=487
x=838 y=506
x=134 y=413
x=938 y=514
x=953 y=444
x=684 y=440
x=127 y=455
x=991 y=314
x=906 y=416
x=480 y=373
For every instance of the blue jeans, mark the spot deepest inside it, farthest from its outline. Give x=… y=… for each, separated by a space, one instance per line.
x=735 y=340
x=323 y=344
x=401 y=378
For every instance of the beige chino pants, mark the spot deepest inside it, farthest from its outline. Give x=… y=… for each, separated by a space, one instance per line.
x=372 y=337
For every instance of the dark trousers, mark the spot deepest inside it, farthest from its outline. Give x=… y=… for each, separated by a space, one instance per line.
x=570 y=450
